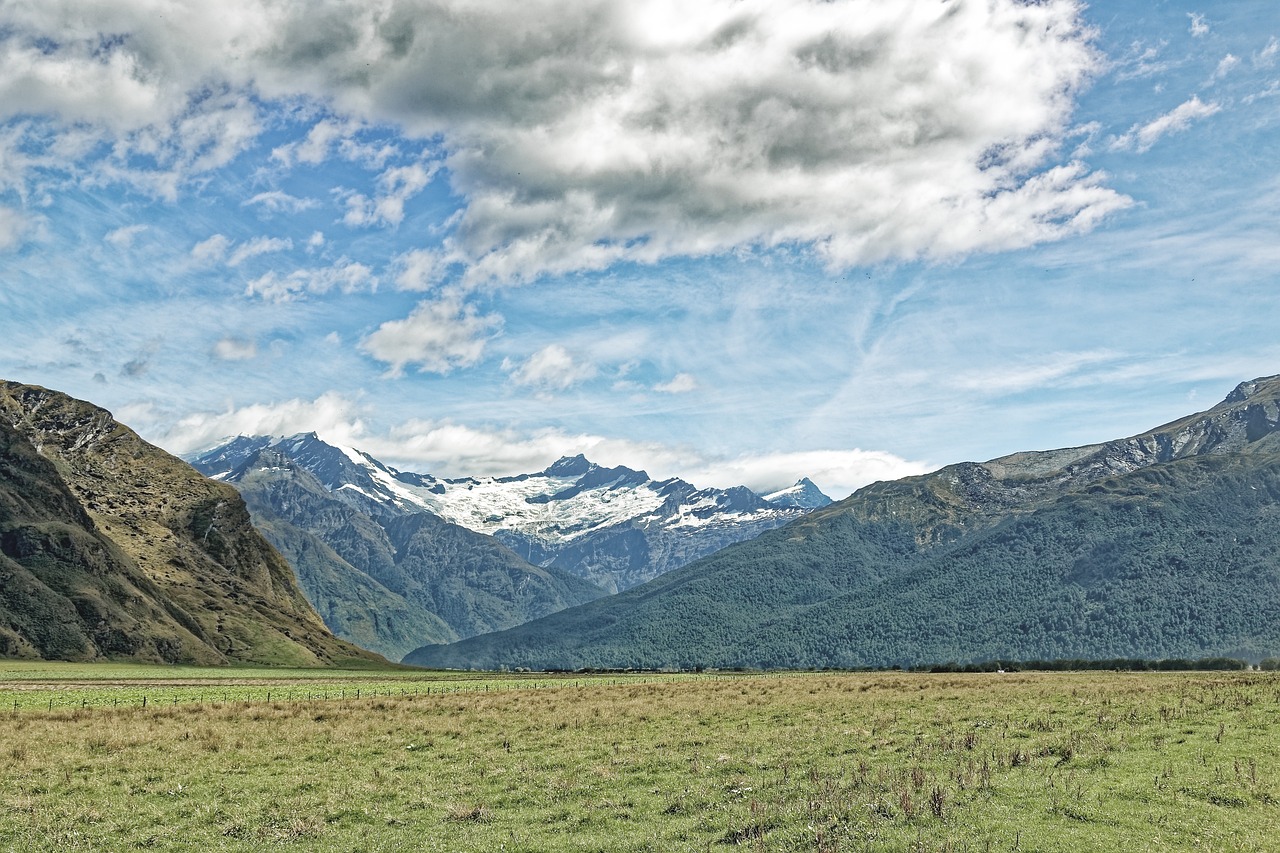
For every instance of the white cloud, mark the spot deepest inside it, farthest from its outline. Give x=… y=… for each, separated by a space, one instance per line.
x=331 y=415
x=450 y=449
x=1225 y=65
x=579 y=136
x=1055 y=369
x=1267 y=56
x=1142 y=137
x=314 y=148
x=122 y=238
x=837 y=472
x=1198 y=25
x=344 y=275
x=395 y=187
x=235 y=349
x=681 y=383
x=212 y=250
x=550 y=367
x=276 y=201
x=14 y=228
x=438 y=336
x=258 y=246
x=330 y=136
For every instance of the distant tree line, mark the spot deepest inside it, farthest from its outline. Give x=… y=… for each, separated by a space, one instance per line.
x=1113 y=664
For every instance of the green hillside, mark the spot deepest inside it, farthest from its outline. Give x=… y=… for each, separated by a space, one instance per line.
x=112 y=548
x=1161 y=545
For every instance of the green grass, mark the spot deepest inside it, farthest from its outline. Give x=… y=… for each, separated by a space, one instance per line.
x=820 y=762
x=55 y=685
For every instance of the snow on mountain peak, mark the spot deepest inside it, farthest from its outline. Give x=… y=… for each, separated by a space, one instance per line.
x=542 y=515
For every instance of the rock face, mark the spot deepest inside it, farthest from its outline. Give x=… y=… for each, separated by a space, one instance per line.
x=389 y=575
x=614 y=527
x=1161 y=545
x=112 y=548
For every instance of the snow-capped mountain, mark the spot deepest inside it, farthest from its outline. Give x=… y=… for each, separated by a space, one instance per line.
x=803 y=495
x=616 y=527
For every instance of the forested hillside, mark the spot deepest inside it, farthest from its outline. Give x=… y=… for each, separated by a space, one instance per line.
x=1161 y=545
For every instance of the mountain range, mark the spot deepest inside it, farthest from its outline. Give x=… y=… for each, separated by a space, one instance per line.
x=615 y=527
x=112 y=548
x=393 y=559
x=1163 y=544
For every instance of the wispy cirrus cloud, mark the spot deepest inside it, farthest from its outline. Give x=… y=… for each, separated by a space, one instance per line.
x=123 y=237
x=257 y=246
x=276 y=201
x=1141 y=137
x=235 y=349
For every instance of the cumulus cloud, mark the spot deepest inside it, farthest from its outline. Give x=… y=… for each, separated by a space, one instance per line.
x=551 y=368
x=1198 y=25
x=438 y=336
x=344 y=275
x=604 y=131
x=330 y=137
x=395 y=187
x=1141 y=137
x=333 y=416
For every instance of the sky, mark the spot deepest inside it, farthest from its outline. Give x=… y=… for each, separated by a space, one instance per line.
x=737 y=242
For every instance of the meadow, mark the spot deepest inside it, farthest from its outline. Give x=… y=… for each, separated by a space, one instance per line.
x=804 y=761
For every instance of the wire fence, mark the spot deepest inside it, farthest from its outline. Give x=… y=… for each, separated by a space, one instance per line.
x=49 y=696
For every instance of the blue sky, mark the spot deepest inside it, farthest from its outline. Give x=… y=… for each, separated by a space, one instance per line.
x=736 y=242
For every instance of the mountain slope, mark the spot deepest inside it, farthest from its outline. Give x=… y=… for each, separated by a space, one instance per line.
x=1163 y=544
x=389 y=576
x=113 y=548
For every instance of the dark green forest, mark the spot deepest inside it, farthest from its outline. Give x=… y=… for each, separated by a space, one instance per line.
x=1176 y=560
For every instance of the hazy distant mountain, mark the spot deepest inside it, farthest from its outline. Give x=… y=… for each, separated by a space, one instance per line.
x=388 y=575
x=1165 y=544
x=112 y=548
x=615 y=527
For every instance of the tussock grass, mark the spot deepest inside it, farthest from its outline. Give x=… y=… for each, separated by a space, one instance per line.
x=817 y=762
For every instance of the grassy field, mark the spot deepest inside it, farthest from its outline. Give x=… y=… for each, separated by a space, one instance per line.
x=821 y=762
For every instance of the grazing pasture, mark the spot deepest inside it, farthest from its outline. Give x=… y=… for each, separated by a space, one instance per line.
x=805 y=761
